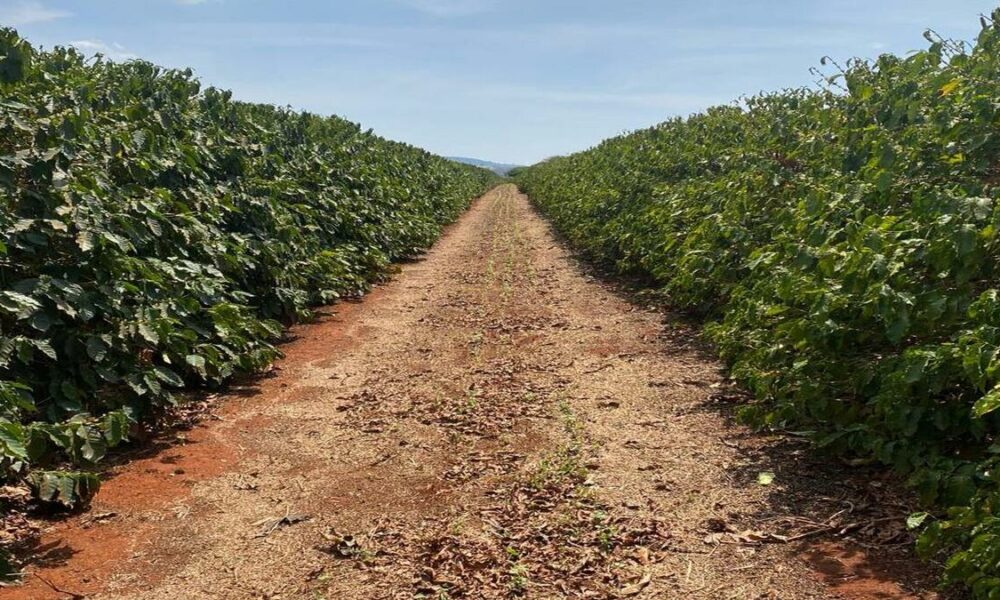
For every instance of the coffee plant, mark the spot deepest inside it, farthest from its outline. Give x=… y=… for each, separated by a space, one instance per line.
x=156 y=236
x=842 y=246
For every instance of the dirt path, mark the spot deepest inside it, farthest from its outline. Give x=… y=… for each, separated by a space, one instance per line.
x=492 y=423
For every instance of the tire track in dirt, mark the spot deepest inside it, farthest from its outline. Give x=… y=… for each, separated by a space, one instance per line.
x=493 y=423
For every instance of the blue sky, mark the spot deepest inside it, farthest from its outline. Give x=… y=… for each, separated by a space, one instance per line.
x=504 y=80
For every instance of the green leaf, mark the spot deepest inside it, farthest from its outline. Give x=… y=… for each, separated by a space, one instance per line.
x=41 y=322
x=85 y=240
x=45 y=348
x=148 y=333
x=70 y=489
x=115 y=428
x=988 y=403
x=950 y=87
x=898 y=327
x=19 y=305
x=12 y=437
x=167 y=376
x=196 y=362
x=915 y=520
x=96 y=349
x=765 y=478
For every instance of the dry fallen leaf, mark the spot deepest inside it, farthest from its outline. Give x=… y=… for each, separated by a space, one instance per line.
x=638 y=586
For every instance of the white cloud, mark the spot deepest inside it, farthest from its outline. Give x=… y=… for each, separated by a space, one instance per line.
x=672 y=103
x=114 y=50
x=28 y=12
x=451 y=8
x=285 y=35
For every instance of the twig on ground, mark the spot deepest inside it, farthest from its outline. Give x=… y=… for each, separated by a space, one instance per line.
x=58 y=590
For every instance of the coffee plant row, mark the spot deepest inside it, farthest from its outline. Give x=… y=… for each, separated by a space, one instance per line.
x=842 y=246
x=156 y=236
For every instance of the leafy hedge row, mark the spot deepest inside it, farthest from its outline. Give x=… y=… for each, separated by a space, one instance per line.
x=842 y=245
x=154 y=236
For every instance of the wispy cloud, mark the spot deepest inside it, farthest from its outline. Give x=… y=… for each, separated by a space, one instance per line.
x=28 y=12
x=670 y=102
x=451 y=8
x=286 y=35
x=114 y=50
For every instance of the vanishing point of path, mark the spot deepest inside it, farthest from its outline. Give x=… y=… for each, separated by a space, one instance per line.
x=492 y=423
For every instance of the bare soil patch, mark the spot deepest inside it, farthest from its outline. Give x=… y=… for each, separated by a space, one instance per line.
x=495 y=422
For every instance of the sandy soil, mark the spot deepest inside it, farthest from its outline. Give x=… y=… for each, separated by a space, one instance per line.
x=495 y=422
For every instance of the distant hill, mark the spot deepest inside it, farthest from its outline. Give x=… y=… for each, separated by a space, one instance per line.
x=498 y=168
